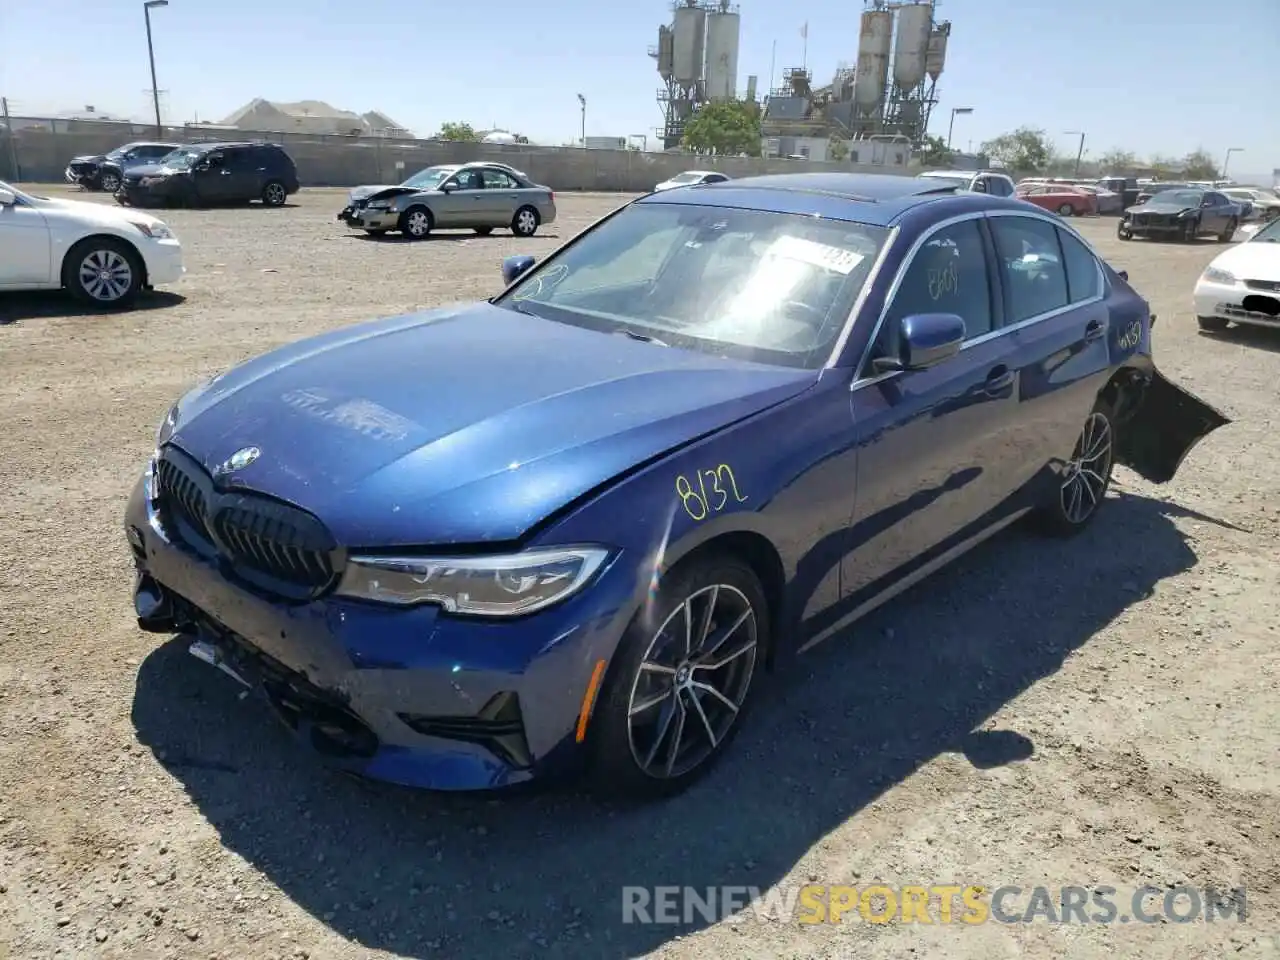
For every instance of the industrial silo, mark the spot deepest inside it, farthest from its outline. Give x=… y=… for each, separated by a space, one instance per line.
x=722 y=54
x=689 y=34
x=751 y=88
x=936 y=58
x=872 y=72
x=915 y=26
x=665 y=52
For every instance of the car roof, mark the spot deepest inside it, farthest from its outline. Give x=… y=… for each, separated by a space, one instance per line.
x=878 y=199
x=963 y=174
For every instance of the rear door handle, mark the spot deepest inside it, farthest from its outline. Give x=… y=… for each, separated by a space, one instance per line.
x=1093 y=331
x=998 y=380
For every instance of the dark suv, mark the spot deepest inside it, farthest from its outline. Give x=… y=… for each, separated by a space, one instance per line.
x=209 y=174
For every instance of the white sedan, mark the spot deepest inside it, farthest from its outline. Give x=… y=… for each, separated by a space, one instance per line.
x=691 y=178
x=1242 y=285
x=103 y=255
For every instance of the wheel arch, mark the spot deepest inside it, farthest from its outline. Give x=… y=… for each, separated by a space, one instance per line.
x=102 y=235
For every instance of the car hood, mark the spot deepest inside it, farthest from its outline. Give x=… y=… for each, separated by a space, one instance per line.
x=1158 y=206
x=462 y=425
x=384 y=190
x=1251 y=261
x=99 y=213
x=89 y=158
x=152 y=170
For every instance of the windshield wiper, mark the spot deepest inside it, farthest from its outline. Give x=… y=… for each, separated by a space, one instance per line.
x=641 y=337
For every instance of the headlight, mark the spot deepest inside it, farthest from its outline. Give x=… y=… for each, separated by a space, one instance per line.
x=156 y=231
x=150 y=181
x=166 y=427
x=1214 y=275
x=498 y=586
x=381 y=205
x=1188 y=213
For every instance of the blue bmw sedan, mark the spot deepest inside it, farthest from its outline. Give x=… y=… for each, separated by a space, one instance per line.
x=573 y=527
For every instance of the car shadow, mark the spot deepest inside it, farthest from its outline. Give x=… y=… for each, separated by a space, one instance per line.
x=1248 y=335
x=437 y=235
x=428 y=874
x=16 y=307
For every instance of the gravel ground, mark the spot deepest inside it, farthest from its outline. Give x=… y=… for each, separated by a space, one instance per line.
x=1099 y=712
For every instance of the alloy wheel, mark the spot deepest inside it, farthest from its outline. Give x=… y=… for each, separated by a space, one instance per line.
x=275 y=194
x=110 y=183
x=1087 y=472
x=692 y=681
x=105 y=275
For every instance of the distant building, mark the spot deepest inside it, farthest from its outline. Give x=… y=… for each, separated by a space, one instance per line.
x=606 y=143
x=312 y=117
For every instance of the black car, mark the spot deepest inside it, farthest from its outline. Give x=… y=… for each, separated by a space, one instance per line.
x=104 y=172
x=210 y=174
x=1183 y=214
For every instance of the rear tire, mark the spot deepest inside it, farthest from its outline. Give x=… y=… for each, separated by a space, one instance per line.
x=103 y=272
x=1085 y=478
x=525 y=222
x=416 y=223
x=638 y=747
x=1066 y=210
x=274 y=194
x=1212 y=324
x=483 y=231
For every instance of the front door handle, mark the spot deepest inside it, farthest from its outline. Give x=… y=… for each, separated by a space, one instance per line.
x=1093 y=331
x=998 y=380
x=226 y=173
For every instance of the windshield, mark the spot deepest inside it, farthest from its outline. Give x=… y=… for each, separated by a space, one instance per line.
x=947 y=181
x=753 y=285
x=1268 y=234
x=1188 y=198
x=181 y=159
x=686 y=178
x=428 y=178
x=118 y=152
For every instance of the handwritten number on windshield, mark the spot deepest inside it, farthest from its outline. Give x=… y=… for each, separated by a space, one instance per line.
x=697 y=503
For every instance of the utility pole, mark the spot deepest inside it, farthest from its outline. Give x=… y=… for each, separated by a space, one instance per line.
x=1080 y=152
x=151 y=56
x=963 y=111
x=8 y=136
x=1227 y=159
x=582 y=102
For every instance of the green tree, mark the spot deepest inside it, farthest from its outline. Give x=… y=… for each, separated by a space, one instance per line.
x=1198 y=165
x=837 y=150
x=1166 y=168
x=935 y=153
x=1116 y=160
x=457 y=131
x=723 y=128
x=1026 y=150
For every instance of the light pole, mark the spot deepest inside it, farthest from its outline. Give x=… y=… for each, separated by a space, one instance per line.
x=582 y=102
x=952 y=126
x=151 y=55
x=1227 y=159
x=1080 y=152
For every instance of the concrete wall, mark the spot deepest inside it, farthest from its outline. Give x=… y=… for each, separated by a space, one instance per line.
x=43 y=148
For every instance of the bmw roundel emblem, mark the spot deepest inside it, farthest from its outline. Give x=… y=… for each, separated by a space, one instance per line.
x=239 y=460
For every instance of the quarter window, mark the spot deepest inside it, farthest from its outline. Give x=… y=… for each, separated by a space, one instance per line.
x=1031 y=264
x=1083 y=280
x=947 y=275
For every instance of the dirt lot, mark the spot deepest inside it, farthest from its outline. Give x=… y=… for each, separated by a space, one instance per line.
x=1103 y=712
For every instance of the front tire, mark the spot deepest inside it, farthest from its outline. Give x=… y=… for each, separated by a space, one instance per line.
x=525 y=222
x=416 y=223
x=1212 y=324
x=1229 y=233
x=1123 y=232
x=1191 y=231
x=103 y=272
x=680 y=680
x=1066 y=210
x=1085 y=477
x=109 y=182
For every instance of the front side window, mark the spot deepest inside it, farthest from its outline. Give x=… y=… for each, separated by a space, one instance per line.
x=948 y=274
x=497 y=180
x=1031 y=265
x=754 y=285
x=467 y=180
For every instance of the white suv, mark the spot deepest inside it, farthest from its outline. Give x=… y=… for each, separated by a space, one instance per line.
x=975 y=181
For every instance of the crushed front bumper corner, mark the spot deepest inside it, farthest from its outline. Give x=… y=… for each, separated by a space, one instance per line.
x=1163 y=427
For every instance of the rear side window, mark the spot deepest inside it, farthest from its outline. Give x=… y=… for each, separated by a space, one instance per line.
x=1084 y=281
x=1030 y=258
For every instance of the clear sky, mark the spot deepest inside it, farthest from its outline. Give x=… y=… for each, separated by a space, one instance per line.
x=1153 y=76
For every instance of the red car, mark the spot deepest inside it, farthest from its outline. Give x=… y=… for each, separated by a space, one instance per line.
x=1061 y=199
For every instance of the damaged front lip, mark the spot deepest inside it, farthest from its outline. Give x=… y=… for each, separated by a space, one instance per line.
x=1164 y=428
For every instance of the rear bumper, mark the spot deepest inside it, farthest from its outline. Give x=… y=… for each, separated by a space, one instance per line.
x=400 y=695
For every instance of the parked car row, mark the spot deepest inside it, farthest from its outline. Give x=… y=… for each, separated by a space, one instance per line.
x=198 y=174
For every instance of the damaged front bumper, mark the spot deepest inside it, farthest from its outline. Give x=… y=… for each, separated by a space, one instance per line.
x=401 y=695
x=1158 y=424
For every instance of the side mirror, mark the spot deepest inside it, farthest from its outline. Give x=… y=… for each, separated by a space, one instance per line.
x=925 y=340
x=1123 y=275
x=7 y=198
x=513 y=268
x=449 y=187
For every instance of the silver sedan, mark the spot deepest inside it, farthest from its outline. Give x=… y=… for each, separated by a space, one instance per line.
x=479 y=196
